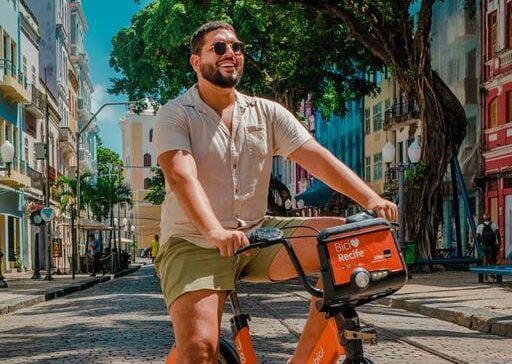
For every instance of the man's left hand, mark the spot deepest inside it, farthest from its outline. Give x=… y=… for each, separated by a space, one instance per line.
x=383 y=208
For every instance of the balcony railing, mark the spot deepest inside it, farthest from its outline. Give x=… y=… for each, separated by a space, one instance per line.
x=37 y=103
x=13 y=83
x=36 y=178
x=400 y=112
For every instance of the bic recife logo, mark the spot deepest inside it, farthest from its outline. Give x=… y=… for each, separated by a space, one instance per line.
x=348 y=250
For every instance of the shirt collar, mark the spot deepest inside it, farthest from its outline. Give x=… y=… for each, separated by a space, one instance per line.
x=192 y=98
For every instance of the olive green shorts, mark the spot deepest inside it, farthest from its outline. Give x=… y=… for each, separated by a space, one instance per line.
x=185 y=267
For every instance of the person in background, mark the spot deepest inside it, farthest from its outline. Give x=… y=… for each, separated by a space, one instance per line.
x=488 y=236
x=95 y=251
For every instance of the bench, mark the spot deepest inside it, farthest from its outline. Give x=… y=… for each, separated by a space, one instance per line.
x=498 y=270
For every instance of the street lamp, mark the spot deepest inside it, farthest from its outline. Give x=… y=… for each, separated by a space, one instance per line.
x=388 y=155
x=77 y=136
x=7 y=154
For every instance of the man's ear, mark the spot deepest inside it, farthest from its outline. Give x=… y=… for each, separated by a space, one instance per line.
x=194 y=62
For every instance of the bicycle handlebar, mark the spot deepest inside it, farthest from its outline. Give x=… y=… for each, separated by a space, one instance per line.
x=267 y=236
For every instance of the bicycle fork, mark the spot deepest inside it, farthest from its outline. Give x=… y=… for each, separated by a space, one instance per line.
x=240 y=330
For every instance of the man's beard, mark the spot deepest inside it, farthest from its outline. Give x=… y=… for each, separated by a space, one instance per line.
x=212 y=74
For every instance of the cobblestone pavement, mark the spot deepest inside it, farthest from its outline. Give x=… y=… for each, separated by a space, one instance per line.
x=125 y=321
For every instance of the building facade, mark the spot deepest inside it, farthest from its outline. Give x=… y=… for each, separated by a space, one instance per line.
x=496 y=112
x=138 y=158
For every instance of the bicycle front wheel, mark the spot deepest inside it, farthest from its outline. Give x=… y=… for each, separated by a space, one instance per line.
x=227 y=353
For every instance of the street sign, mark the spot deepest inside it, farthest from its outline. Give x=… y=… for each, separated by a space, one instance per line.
x=47 y=213
x=35 y=218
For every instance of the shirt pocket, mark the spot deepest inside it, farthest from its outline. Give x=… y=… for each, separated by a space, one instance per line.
x=256 y=138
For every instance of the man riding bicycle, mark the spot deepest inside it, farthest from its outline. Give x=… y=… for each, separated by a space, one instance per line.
x=215 y=147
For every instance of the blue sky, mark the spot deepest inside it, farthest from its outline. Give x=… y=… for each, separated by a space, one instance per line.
x=104 y=19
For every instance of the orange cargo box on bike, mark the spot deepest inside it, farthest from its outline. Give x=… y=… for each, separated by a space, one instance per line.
x=361 y=262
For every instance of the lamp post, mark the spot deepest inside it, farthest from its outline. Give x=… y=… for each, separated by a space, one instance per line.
x=7 y=154
x=388 y=155
x=78 y=135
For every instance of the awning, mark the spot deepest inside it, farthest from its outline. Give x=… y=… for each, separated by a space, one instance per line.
x=89 y=224
x=317 y=195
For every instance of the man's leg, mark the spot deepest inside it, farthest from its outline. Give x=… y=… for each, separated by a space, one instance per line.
x=282 y=269
x=196 y=318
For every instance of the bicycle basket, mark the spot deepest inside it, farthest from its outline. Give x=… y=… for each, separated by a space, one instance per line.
x=361 y=262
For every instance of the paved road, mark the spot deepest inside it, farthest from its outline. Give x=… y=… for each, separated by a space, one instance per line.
x=125 y=321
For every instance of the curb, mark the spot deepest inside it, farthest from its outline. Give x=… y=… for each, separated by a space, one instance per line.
x=475 y=319
x=23 y=302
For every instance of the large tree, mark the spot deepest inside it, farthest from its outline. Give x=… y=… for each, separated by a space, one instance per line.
x=288 y=55
x=402 y=41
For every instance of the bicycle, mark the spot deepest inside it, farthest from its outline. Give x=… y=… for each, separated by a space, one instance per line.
x=360 y=262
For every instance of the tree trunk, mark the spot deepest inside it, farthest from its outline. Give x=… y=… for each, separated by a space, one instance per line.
x=443 y=125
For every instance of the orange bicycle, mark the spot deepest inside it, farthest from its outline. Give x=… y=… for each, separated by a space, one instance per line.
x=360 y=262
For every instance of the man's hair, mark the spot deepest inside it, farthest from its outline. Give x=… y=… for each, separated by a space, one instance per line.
x=197 y=39
x=91 y=236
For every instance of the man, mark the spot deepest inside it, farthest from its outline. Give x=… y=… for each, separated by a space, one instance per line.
x=215 y=147
x=488 y=236
x=95 y=251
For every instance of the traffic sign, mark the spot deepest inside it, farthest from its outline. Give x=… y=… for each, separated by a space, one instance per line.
x=36 y=219
x=47 y=213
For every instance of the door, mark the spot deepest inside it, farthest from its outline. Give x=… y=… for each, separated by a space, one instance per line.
x=508 y=227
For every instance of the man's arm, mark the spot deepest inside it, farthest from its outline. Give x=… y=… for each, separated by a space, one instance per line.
x=180 y=172
x=322 y=164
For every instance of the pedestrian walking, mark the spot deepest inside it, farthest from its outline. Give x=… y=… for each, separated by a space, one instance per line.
x=155 y=246
x=95 y=252
x=488 y=236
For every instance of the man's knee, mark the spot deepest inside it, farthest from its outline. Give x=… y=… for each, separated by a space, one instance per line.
x=197 y=349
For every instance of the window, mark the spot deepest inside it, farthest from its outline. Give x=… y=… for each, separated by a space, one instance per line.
x=377 y=117
x=26 y=156
x=150 y=135
x=509 y=25
x=493 y=34
x=147 y=160
x=368 y=169
x=367 y=126
x=509 y=106
x=493 y=113
x=147 y=183
x=377 y=166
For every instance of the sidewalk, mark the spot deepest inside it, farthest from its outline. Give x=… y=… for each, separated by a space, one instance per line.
x=24 y=291
x=458 y=297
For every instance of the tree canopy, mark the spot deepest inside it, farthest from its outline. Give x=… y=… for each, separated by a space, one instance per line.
x=290 y=52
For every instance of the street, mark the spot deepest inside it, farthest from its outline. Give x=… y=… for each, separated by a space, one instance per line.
x=125 y=321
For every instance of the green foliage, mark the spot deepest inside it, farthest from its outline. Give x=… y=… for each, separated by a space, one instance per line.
x=416 y=176
x=290 y=52
x=156 y=194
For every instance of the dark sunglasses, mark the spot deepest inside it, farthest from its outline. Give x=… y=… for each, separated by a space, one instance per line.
x=221 y=47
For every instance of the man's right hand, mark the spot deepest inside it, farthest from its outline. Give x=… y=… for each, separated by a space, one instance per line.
x=228 y=241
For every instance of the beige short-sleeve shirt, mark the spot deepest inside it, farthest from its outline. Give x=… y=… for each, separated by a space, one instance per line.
x=233 y=168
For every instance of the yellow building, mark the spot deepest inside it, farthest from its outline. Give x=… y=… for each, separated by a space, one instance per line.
x=388 y=117
x=138 y=158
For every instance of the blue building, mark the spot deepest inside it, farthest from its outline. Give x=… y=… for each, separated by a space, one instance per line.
x=342 y=135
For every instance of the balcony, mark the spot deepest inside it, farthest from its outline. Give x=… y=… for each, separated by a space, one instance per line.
x=36 y=178
x=16 y=178
x=391 y=183
x=36 y=104
x=13 y=85
x=401 y=113
x=66 y=140
x=500 y=63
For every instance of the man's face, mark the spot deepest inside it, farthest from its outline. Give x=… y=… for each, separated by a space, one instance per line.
x=223 y=70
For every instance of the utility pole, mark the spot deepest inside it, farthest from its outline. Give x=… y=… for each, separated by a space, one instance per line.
x=47 y=237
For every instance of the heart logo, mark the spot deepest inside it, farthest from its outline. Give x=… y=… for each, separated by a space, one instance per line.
x=354 y=243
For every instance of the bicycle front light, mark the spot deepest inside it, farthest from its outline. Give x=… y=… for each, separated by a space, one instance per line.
x=362 y=278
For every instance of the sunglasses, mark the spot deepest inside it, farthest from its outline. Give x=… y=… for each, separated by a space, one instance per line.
x=221 y=47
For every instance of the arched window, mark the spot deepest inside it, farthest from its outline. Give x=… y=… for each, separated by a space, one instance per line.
x=147 y=183
x=150 y=135
x=147 y=160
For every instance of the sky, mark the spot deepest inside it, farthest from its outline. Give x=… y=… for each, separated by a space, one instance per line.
x=104 y=19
